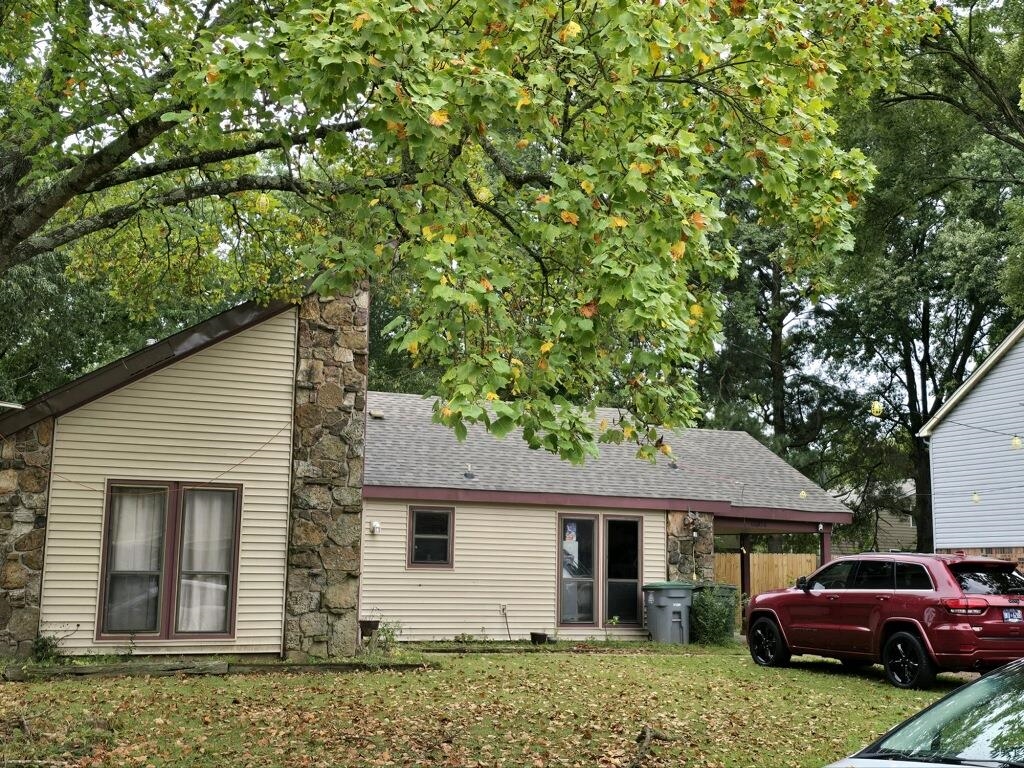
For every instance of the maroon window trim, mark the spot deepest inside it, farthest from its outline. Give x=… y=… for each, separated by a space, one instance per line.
x=639 y=520
x=598 y=572
x=600 y=580
x=410 y=562
x=167 y=607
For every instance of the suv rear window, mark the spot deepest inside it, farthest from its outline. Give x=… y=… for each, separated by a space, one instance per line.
x=978 y=579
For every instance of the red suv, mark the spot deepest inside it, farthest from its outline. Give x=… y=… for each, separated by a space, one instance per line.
x=914 y=614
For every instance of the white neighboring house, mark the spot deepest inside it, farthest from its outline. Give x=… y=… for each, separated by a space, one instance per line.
x=977 y=459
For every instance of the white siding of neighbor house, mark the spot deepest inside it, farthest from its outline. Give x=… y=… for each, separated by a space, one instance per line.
x=503 y=556
x=224 y=414
x=967 y=458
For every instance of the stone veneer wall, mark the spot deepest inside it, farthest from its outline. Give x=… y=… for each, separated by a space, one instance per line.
x=683 y=548
x=24 y=484
x=327 y=477
x=1015 y=554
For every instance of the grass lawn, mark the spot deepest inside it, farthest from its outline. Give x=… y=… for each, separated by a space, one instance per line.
x=544 y=709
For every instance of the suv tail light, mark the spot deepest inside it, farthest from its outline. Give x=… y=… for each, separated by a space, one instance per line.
x=966 y=606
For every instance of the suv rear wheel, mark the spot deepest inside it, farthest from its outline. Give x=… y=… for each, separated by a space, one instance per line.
x=906 y=662
x=767 y=647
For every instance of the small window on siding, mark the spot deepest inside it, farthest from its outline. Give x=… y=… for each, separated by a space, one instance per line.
x=430 y=536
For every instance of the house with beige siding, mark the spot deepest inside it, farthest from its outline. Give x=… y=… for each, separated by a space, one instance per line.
x=488 y=538
x=219 y=492
x=199 y=496
x=976 y=445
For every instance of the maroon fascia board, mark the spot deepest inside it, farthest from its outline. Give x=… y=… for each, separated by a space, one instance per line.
x=138 y=364
x=720 y=509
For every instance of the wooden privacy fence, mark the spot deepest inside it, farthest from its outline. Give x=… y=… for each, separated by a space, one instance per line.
x=767 y=570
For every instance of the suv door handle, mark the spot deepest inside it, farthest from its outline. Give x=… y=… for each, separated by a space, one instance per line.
x=831 y=597
x=882 y=598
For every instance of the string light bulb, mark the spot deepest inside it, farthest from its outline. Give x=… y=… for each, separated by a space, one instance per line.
x=976 y=497
x=877 y=409
x=1016 y=443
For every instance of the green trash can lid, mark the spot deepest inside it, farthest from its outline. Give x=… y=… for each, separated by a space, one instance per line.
x=670 y=585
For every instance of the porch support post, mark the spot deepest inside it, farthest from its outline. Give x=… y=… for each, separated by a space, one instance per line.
x=826 y=543
x=745 y=544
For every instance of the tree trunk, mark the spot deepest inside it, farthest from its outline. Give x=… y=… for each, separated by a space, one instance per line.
x=776 y=318
x=923 y=495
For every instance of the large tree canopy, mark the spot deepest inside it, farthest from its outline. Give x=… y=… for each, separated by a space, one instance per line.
x=548 y=175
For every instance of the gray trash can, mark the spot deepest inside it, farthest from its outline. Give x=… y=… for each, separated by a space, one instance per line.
x=668 y=610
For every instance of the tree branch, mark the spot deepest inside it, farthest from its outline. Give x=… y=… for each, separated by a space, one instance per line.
x=149 y=170
x=111 y=217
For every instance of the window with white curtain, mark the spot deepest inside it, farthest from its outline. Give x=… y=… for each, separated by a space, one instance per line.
x=170 y=560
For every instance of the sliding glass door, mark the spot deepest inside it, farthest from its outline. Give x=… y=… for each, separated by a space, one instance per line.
x=622 y=571
x=599 y=570
x=576 y=596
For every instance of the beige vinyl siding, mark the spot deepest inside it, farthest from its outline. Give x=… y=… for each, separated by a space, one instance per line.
x=222 y=414
x=502 y=556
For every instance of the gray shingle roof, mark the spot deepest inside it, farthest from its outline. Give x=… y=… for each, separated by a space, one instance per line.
x=407 y=449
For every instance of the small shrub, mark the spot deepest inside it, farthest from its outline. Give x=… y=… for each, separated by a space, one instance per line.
x=383 y=640
x=46 y=650
x=464 y=637
x=713 y=615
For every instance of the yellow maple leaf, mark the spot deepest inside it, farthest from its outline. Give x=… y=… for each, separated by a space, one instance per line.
x=696 y=310
x=666 y=449
x=374 y=62
x=619 y=222
x=642 y=168
x=542 y=364
x=522 y=144
x=587 y=186
x=603 y=425
x=360 y=20
x=627 y=432
x=698 y=220
x=569 y=218
x=569 y=31
x=486 y=284
x=492 y=396
x=413 y=347
x=524 y=99
x=543 y=199
x=655 y=50
x=438 y=117
x=428 y=232
x=678 y=250
x=546 y=347
x=450 y=239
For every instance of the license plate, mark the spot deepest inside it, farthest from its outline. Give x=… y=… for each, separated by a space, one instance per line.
x=1013 y=614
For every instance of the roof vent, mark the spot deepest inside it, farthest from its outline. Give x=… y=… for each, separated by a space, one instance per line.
x=376 y=415
x=468 y=474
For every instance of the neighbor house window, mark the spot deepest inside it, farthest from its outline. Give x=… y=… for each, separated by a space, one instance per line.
x=430 y=536
x=171 y=560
